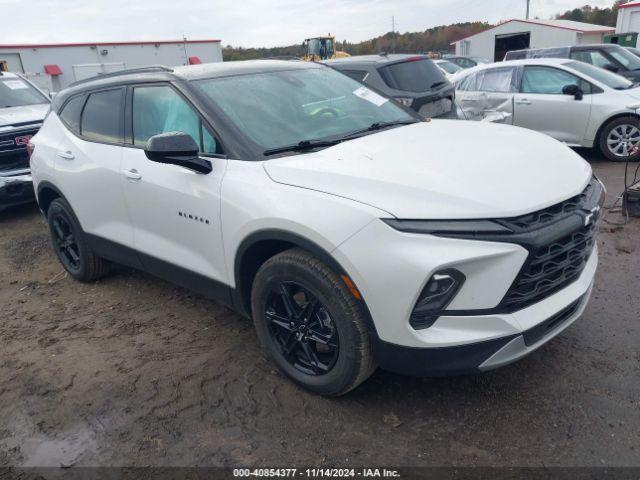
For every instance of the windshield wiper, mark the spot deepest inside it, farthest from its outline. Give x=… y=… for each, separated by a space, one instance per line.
x=437 y=84
x=301 y=146
x=378 y=126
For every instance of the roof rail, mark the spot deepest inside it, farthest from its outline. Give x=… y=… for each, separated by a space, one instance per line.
x=126 y=71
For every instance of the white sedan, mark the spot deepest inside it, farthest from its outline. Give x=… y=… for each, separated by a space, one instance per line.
x=448 y=68
x=574 y=102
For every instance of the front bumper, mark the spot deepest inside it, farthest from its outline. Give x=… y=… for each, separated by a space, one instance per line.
x=481 y=356
x=462 y=341
x=16 y=188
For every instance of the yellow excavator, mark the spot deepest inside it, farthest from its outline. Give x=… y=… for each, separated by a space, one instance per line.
x=321 y=48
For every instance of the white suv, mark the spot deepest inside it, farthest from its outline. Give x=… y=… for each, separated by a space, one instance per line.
x=353 y=233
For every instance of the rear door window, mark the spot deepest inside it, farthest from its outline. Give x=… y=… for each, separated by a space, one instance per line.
x=500 y=80
x=413 y=75
x=102 y=117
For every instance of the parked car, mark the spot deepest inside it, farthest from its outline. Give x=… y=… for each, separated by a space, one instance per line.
x=574 y=102
x=448 y=68
x=351 y=231
x=633 y=50
x=22 y=109
x=412 y=80
x=609 y=56
x=467 y=62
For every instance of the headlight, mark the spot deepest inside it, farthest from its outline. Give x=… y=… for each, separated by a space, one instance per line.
x=406 y=101
x=447 y=227
x=436 y=295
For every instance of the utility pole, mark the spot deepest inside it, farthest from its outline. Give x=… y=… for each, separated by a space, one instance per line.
x=393 y=33
x=528 y=2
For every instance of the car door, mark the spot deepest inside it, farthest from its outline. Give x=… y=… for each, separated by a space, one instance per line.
x=175 y=211
x=542 y=106
x=488 y=94
x=88 y=164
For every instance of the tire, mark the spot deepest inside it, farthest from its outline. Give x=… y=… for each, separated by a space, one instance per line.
x=70 y=244
x=615 y=129
x=338 y=354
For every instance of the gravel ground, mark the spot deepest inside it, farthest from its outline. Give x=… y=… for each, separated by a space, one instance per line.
x=134 y=371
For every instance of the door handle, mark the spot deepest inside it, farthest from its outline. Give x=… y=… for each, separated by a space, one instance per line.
x=66 y=155
x=524 y=101
x=132 y=174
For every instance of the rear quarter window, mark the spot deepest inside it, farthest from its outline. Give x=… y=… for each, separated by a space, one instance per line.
x=413 y=75
x=71 y=112
x=102 y=117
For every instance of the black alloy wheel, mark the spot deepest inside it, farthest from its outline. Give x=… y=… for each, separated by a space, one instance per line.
x=65 y=243
x=302 y=329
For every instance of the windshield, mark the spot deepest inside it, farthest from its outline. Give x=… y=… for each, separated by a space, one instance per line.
x=450 y=67
x=611 y=80
x=416 y=74
x=281 y=108
x=626 y=58
x=15 y=92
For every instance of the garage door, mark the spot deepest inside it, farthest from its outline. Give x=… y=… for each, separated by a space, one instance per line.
x=12 y=61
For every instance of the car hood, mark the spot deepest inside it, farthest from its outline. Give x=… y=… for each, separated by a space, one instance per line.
x=443 y=169
x=21 y=115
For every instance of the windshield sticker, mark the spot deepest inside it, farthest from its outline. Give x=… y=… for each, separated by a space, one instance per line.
x=15 y=84
x=370 y=96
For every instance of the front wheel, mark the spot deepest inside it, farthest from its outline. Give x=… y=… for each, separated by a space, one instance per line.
x=310 y=324
x=620 y=139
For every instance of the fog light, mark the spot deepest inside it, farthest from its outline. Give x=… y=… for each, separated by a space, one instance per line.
x=435 y=296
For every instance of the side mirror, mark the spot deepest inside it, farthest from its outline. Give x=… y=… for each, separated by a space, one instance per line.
x=573 y=90
x=177 y=148
x=611 y=68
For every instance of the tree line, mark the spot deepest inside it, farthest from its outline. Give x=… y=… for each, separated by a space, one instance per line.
x=436 y=39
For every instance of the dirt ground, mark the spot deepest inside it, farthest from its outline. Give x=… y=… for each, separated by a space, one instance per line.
x=134 y=371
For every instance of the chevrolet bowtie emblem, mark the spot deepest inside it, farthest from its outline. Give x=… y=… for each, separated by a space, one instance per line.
x=591 y=216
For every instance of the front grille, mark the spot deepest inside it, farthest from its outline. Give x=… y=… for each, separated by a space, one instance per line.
x=13 y=149
x=553 y=265
x=551 y=268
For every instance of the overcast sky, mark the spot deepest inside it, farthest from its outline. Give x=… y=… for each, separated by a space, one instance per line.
x=249 y=23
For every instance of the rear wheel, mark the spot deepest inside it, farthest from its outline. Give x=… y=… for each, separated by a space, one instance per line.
x=620 y=139
x=70 y=245
x=310 y=324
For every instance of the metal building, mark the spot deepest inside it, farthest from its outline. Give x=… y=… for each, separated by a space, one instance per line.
x=495 y=42
x=54 y=66
x=628 y=24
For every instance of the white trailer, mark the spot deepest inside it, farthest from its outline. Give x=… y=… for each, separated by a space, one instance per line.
x=55 y=66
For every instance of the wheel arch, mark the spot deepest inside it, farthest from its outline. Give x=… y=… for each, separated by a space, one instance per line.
x=610 y=119
x=47 y=192
x=262 y=245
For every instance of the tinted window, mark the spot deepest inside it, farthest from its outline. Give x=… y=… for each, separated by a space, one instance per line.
x=594 y=57
x=626 y=58
x=502 y=80
x=449 y=67
x=413 y=75
x=71 y=112
x=102 y=117
x=161 y=109
x=15 y=92
x=550 y=81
